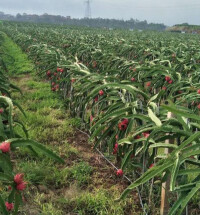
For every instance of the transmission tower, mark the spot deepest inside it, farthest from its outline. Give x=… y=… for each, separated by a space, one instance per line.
x=88 y=9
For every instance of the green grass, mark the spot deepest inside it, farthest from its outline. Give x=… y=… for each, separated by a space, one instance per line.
x=38 y=174
x=16 y=61
x=99 y=202
x=80 y=173
x=46 y=120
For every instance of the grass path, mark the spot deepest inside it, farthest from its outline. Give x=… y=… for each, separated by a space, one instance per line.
x=85 y=185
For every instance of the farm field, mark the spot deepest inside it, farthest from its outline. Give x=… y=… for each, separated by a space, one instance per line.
x=134 y=96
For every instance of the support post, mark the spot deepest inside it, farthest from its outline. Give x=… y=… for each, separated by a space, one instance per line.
x=164 y=207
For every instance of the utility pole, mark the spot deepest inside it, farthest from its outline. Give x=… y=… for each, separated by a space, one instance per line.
x=88 y=13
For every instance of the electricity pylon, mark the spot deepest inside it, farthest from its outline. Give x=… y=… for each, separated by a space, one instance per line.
x=88 y=13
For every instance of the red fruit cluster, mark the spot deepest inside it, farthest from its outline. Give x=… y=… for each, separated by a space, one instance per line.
x=73 y=80
x=20 y=183
x=5 y=147
x=138 y=137
x=60 y=70
x=151 y=166
x=123 y=125
x=198 y=91
x=91 y=118
x=96 y=99
x=120 y=172
x=146 y=134
x=168 y=79
x=101 y=92
x=49 y=73
x=132 y=79
x=94 y=64
x=1 y=110
x=148 y=84
x=115 y=149
x=54 y=77
x=9 y=206
x=55 y=88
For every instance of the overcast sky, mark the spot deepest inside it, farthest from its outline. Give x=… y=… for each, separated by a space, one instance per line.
x=168 y=12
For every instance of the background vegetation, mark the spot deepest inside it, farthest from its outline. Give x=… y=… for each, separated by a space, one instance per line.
x=95 y=22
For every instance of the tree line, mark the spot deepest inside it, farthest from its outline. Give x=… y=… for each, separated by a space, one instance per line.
x=94 y=22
